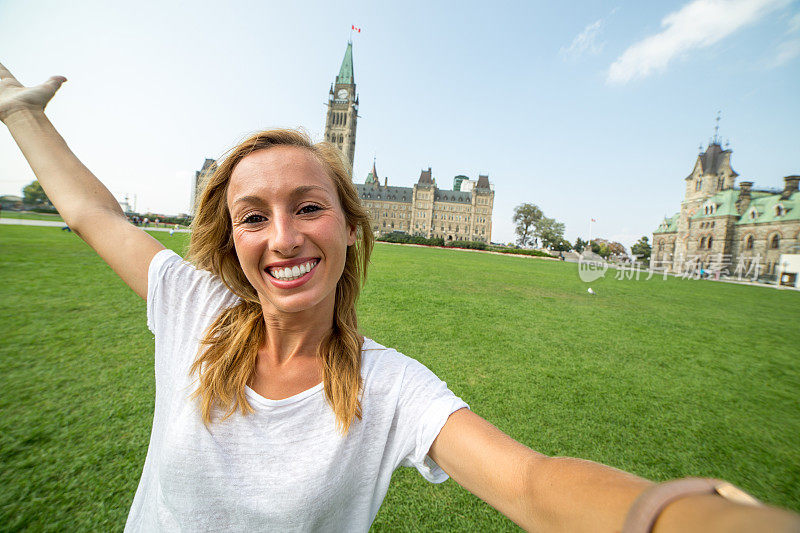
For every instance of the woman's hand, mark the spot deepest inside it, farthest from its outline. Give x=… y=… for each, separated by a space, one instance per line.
x=15 y=97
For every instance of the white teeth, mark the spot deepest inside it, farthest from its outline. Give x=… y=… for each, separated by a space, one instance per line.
x=292 y=273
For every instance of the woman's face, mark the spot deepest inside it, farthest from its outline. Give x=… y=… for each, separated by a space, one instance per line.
x=289 y=229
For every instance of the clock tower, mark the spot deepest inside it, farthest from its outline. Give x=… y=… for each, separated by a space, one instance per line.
x=340 y=124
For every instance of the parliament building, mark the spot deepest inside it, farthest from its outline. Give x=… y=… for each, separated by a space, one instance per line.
x=728 y=228
x=463 y=213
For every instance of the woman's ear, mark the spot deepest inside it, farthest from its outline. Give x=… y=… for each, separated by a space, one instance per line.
x=351 y=237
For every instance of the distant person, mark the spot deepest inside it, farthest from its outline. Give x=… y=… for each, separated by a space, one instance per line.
x=272 y=411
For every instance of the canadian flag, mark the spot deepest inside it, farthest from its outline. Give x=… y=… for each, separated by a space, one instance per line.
x=357 y=30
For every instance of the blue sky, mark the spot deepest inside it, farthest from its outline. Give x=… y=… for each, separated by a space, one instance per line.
x=589 y=110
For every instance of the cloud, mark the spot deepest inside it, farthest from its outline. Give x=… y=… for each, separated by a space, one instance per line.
x=586 y=42
x=698 y=24
x=794 y=24
x=787 y=51
x=790 y=48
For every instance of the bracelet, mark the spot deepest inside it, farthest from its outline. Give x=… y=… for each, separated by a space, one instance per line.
x=648 y=506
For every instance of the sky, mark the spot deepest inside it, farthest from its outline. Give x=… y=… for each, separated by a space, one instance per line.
x=588 y=109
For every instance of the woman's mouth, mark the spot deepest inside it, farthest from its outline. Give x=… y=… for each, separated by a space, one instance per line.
x=291 y=273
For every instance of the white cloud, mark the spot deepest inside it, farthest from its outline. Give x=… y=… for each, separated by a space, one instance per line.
x=787 y=51
x=585 y=42
x=698 y=24
x=794 y=24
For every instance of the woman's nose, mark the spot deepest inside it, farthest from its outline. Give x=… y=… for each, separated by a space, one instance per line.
x=285 y=236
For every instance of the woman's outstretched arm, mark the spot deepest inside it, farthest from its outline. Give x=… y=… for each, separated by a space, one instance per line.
x=82 y=200
x=542 y=493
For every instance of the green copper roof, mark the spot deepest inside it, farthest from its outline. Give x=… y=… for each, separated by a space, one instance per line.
x=668 y=225
x=724 y=203
x=372 y=177
x=346 y=71
x=764 y=207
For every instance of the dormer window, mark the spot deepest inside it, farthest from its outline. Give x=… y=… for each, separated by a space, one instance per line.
x=753 y=213
x=698 y=184
x=779 y=210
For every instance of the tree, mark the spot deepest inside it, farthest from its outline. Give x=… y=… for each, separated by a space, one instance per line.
x=33 y=194
x=549 y=231
x=579 y=245
x=642 y=249
x=616 y=248
x=526 y=217
x=562 y=246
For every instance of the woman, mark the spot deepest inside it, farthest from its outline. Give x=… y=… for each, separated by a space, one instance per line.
x=272 y=412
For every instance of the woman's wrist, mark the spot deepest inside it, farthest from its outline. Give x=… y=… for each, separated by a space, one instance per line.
x=21 y=116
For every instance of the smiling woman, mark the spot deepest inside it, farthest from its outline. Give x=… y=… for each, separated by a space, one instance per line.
x=272 y=412
x=278 y=203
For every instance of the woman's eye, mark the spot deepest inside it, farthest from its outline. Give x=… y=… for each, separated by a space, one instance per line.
x=306 y=209
x=253 y=219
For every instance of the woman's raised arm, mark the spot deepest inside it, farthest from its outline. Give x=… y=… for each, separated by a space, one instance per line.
x=82 y=200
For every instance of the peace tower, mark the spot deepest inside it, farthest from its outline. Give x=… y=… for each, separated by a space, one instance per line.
x=340 y=124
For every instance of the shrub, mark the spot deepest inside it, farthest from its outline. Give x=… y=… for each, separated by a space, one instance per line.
x=471 y=245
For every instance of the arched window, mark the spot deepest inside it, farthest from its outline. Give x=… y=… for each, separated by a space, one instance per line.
x=748 y=242
x=775 y=242
x=779 y=210
x=703 y=242
x=698 y=184
x=720 y=183
x=710 y=241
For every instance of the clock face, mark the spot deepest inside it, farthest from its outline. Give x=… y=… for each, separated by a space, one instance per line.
x=342 y=94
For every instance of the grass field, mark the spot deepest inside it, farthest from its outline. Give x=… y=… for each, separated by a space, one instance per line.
x=29 y=215
x=662 y=378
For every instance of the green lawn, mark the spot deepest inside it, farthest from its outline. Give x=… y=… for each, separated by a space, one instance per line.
x=28 y=215
x=662 y=378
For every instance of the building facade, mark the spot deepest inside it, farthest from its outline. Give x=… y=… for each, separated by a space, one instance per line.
x=428 y=211
x=720 y=227
x=342 y=116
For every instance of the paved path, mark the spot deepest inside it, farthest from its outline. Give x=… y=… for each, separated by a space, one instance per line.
x=57 y=224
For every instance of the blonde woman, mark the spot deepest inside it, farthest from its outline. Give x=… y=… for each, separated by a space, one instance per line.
x=272 y=413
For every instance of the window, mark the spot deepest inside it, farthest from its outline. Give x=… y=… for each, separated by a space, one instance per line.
x=710 y=241
x=703 y=242
x=748 y=242
x=779 y=210
x=775 y=242
x=720 y=183
x=698 y=184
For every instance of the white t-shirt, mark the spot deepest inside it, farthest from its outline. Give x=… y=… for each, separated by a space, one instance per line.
x=285 y=467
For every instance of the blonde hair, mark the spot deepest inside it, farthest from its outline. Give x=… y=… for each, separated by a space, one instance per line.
x=228 y=352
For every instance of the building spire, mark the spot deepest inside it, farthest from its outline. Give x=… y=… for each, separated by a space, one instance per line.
x=346 y=70
x=716 y=139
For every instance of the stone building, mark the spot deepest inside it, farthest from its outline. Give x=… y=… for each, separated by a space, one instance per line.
x=342 y=116
x=720 y=227
x=209 y=166
x=428 y=211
